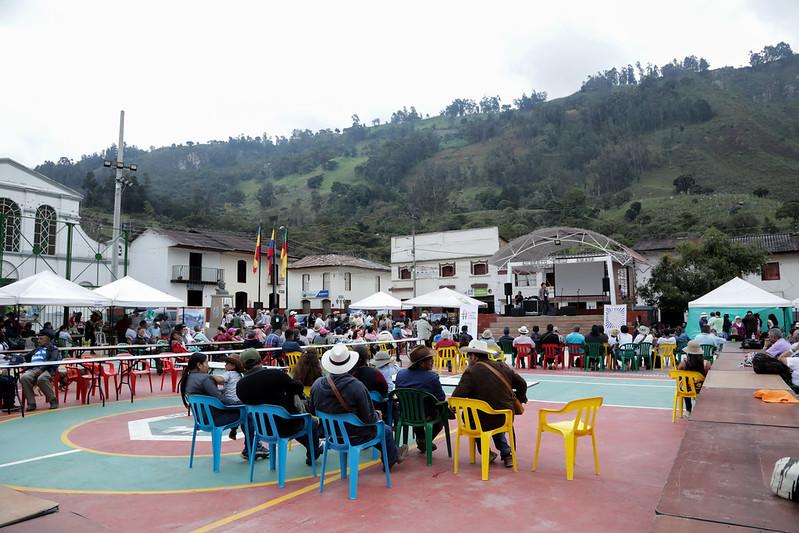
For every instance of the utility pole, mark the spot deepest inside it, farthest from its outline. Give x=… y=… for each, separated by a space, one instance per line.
x=119 y=184
x=413 y=255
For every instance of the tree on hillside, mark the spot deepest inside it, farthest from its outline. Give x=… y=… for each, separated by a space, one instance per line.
x=460 y=107
x=490 y=104
x=683 y=183
x=761 y=192
x=526 y=103
x=314 y=182
x=633 y=211
x=697 y=269
x=781 y=50
x=789 y=210
x=401 y=116
x=266 y=194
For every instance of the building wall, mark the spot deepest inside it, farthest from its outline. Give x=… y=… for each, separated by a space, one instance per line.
x=428 y=279
x=788 y=284
x=364 y=283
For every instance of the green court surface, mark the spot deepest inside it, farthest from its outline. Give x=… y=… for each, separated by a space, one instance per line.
x=89 y=449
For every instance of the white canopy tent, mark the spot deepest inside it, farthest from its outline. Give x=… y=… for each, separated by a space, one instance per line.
x=128 y=292
x=443 y=298
x=46 y=288
x=380 y=300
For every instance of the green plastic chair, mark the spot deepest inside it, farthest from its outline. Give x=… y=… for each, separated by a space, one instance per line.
x=625 y=352
x=413 y=407
x=709 y=352
x=645 y=352
x=594 y=350
x=680 y=346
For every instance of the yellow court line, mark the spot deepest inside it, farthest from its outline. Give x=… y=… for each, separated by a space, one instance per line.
x=275 y=501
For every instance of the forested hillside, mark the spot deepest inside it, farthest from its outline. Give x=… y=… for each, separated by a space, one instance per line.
x=638 y=151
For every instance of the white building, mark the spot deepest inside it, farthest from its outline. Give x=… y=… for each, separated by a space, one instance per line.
x=454 y=259
x=327 y=282
x=779 y=275
x=196 y=265
x=40 y=225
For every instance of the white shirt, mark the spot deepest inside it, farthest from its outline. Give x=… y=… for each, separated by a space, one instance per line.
x=625 y=338
x=523 y=339
x=667 y=340
x=640 y=338
x=793 y=364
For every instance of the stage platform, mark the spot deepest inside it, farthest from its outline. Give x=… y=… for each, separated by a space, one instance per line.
x=564 y=323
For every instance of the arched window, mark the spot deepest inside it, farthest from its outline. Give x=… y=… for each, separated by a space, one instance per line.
x=11 y=224
x=44 y=230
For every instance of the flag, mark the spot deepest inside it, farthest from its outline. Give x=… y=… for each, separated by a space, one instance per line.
x=270 y=254
x=284 y=252
x=257 y=255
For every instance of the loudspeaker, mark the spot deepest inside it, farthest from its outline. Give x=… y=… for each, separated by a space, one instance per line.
x=274 y=301
x=509 y=289
x=606 y=284
x=567 y=310
x=508 y=310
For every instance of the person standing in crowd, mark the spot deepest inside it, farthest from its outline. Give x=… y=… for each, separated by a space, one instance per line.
x=703 y=321
x=420 y=376
x=480 y=382
x=293 y=320
x=354 y=398
x=423 y=329
x=726 y=326
x=738 y=330
x=41 y=376
x=772 y=321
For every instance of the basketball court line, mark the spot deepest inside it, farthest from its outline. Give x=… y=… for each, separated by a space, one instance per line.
x=39 y=458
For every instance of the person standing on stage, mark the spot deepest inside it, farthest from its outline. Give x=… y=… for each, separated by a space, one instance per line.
x=543 y=295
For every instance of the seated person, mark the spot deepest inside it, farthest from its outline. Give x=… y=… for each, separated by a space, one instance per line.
x=596 y=336
x=644 y=336
x=339 y=362
x=445 y=340
x=199 y=336
x=693 y=359
x=291 y=344
x=790 y=358
x=464 y=338
x=522 y=339
x=41 y=376
x=667 y=338
x=308 y=368
x=384 y=363
x=575 y=337
x=221 y=335
x=775 y=344
x=369 y=376
x=551 y=336
x=251 y=341
x=420 y=376
x=488 y=336
x=7 y=391
x=707 y=337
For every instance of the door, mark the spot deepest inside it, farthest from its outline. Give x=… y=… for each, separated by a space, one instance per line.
x=325 y=307
x=194 y=298
x=306 y=307
x=195 y=266
x=241 y=300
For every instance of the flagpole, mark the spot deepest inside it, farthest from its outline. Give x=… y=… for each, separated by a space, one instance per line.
x=285 y=274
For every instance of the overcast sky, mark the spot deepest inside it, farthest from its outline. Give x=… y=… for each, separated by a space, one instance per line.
x=194 y=71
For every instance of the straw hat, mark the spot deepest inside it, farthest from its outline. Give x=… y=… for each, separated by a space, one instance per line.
x=614 y=332
x=523 y=330
x=693 y=348
x=339 y=359
x=424 y=315
x=477 y=346
x=487 y=334
x=643 y=330
x=381 y=358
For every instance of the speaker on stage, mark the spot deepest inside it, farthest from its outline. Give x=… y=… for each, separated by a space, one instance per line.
x=606 y=284
x=568 y=310
x=509 y=289
x=508 y=310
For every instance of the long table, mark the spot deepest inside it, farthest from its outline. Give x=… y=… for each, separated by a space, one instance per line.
x=720 y=478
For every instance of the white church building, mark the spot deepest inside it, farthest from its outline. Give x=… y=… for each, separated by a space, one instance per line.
x=40 y=230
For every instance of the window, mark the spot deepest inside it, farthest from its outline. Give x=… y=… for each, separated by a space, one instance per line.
x=241 y=271
x=405 y=273
x=194 y=298
x=770 y=272
x=377 y=283
x=446 y=270
x=479 y=268
x=306 y=282
x=44 y=235
x=326 y=281
x=11 y=227
x=347 y=281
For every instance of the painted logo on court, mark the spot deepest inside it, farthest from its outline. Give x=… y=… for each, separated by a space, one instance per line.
x=175 y=427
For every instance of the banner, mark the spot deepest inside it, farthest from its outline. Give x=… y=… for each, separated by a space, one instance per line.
x=615 y=317
x=468 y=317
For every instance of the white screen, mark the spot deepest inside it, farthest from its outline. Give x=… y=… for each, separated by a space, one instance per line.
x=585 y=277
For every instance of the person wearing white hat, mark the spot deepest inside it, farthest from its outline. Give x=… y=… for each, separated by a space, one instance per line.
x=491 y=382
x=523 y=338
x=340 y=392
x=423 y=330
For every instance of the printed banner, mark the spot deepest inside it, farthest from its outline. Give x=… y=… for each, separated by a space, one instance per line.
x=615 y=317
x=468 y=317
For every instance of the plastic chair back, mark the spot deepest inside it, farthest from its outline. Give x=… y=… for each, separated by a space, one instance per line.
x=687 y=381
x=466 y=413
x=665 y=352
x=413 y=406
x=292 y=358
x=201 y=410
x=594 y=351
x=575 y=350
x=264 y=417
x=585 y=413
x=709 y=351
x=522 y=351
x=377 y=398
x=447 y=354
x=496 y=354
x=552 y=351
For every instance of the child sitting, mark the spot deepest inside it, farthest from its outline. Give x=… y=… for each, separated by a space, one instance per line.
x=233 y=372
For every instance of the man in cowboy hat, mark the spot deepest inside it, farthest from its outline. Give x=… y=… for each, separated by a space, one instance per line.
x=423 y=329
x=480 y=383
x=488 y=336
x=339 y=361
x=420 y=376
x=261 y=385
x=523 y=338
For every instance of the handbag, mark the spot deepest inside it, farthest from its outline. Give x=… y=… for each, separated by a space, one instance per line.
x=518 y=407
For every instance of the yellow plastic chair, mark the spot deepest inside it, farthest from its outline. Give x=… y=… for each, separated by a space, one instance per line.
x=466 y=413
x=463 y=361
x=447 y=354
x=292 y=358
x=581 y=426
x=665 y=354
x=495 y=355
x=688 y=383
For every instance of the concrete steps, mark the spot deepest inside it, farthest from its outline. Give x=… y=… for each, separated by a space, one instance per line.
x=563 y=323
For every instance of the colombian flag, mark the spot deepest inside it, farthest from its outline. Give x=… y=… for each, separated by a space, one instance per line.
x=284 y=252
x=270 y=254
x=257 y=254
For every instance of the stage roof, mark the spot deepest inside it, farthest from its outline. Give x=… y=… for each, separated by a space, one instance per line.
x=545 y=242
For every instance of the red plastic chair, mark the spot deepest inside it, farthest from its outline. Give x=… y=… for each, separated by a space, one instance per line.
x=83 y=382
x=168 y=367
x=108 y=371
x=576 y=350
x=134 y=370
x=554 y=352
x=522 y=351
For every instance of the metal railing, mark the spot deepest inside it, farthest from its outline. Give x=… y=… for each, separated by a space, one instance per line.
x=186 y=273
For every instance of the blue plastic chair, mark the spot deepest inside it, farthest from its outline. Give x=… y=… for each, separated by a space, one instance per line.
x=200 y=406
x=265 y=429
x=337 y=439
x=376 y=398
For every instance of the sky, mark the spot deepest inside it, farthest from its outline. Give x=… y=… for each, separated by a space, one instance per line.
x=197 y=71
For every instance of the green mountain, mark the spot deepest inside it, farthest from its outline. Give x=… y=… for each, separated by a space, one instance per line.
x=606 y=157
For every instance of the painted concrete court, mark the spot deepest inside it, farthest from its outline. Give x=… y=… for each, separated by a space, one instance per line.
x=101 y=462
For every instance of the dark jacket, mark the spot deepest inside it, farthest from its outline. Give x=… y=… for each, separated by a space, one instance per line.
x=355 y=394
x=372 y=378
x=422 y=380
x=273 y=387
x=550 y=337
x=479 y=383
x=52 y=355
